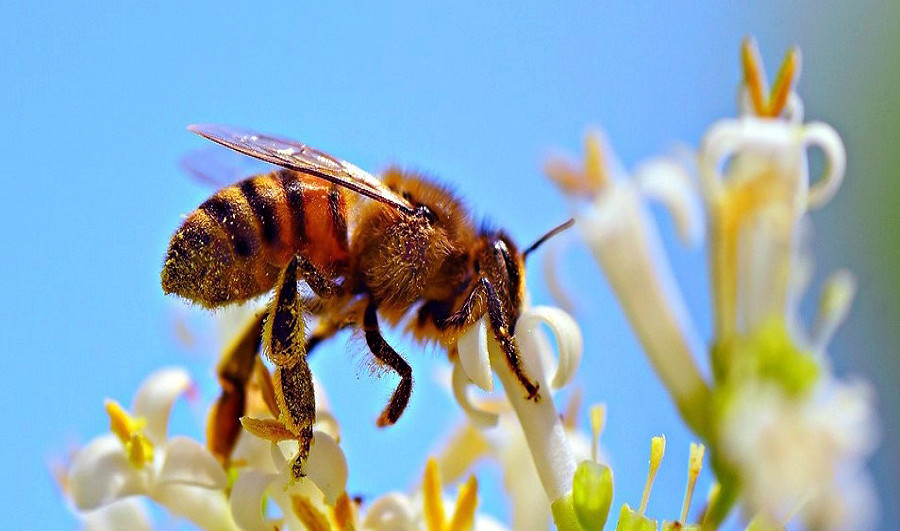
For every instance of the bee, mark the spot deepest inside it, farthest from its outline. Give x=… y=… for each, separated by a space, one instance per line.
x=369 y=250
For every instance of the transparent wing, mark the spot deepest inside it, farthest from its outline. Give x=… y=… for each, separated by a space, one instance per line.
x=215 y=166
x=302 y=158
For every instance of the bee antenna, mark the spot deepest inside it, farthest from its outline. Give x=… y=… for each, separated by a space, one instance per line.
x=553 y=232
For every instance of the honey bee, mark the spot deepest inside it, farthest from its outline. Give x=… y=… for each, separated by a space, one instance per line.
x=399 y=248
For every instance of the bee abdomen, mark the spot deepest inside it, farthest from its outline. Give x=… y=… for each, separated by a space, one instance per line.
x=225 y=208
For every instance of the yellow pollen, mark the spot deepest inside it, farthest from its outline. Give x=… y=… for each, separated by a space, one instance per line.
x=128 y=429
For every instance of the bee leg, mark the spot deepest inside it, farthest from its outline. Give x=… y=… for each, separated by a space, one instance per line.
x=234 y=371
x=387 y=355
x=500 y=325
x=321 y=285
x=285 y=346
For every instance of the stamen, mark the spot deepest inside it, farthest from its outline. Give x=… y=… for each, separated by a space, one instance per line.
x=695 y=463
x=268 y=429
x=466 y=503
x=311 y=517
x=595 y=163
x=431 y=494
x=754 y=76
x=140 y=452
x=657 y=450
x=343 y=513
x=598 y=422
x=784 y=82
x=120 y=422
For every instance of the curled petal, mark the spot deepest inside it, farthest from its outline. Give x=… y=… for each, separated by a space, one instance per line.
x=327 y=466
x=827 y=139
x=101 y=474
x=568 y=339
x=128 y=513
x=461 y=382
x=246 y=500
x=667 y=182
x=392 y=511
x=188 y=462
x=473 y=355
x=208 y=508
x=155 y=397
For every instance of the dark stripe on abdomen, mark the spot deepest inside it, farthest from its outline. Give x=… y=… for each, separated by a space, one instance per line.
x=293 y=192
x=338 y=219
x=263 y=206
x=243 y=238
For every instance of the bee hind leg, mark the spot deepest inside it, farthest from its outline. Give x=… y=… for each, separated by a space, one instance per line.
x=285 y=345
x=321 y=285
x=387 y=355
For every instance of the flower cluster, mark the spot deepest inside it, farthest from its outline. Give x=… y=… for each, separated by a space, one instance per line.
x=786 y=436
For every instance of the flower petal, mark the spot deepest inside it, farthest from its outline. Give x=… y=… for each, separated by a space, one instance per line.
x=189 y=463
x=246 y=500
x=128 y=513
x=101 y=474
x=208 y=508
x=327 y=466
x=154 y=400
x=568 y=339
x=473 y=355
x=392 y=511
x=461 y=382
x=667 y=182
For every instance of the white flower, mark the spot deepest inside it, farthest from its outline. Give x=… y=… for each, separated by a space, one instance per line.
x=322 y=488
x=480 y=355
x=804 y=454
x=428 y=510
x=506 y=445
x=138 y=458
x=617 y=226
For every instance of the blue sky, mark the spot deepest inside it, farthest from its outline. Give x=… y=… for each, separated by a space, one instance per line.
x=95 y=98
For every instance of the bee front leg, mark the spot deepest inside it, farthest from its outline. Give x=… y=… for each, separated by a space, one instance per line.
x=500 y=324
x=502 y=327
x=388 y=356
x=285 y=346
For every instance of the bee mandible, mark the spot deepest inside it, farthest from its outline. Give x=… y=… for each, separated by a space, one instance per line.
x=368 y=249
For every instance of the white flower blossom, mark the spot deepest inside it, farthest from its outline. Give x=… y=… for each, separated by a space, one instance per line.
x=615 y=223
x=479 y=355
x=138 y=458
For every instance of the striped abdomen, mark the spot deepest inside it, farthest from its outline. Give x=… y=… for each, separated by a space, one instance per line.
x=234 y=245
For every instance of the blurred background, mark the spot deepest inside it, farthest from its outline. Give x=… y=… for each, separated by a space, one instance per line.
x=95 y=97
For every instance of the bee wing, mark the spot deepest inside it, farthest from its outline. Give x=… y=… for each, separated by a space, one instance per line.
x=215 y=166
x=302 y=158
